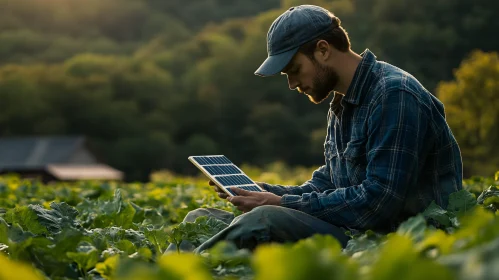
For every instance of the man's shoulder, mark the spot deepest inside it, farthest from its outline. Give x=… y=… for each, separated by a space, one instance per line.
x=389 y=79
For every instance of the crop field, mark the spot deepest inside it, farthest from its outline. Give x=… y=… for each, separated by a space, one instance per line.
x=94 y=230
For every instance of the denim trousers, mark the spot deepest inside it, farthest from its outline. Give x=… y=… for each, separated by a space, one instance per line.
x=263 y=224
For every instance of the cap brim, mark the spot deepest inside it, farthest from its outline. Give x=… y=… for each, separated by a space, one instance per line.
x=275 y=63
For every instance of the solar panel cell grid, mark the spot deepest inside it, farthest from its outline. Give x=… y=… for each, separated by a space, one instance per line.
x=234 y=180
x=220 y=169
x=212 y=160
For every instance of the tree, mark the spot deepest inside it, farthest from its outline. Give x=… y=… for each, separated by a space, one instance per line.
x=472 y=102
x=426 y=38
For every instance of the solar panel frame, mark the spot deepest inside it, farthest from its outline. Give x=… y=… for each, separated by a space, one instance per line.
x=221 y=180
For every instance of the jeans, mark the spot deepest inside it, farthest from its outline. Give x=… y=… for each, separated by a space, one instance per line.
x=263 y=224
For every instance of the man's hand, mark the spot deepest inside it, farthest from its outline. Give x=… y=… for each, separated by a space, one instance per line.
x=247 y=200
x=224 y=195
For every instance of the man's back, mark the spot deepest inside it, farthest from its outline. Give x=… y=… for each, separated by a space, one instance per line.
x=390 y=131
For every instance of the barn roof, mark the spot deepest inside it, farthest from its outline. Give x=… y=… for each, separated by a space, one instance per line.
x=37 y=152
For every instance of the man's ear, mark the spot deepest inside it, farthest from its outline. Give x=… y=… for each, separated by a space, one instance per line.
x=323 y=49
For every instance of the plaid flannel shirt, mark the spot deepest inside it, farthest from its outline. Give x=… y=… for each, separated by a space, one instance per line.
x=389 y=152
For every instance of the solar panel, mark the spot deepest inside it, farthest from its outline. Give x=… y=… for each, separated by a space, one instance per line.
x=224 y=173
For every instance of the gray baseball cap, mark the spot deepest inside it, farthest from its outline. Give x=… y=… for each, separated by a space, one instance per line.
x=289 y=31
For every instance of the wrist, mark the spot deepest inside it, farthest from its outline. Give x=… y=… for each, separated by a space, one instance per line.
x=277 y=200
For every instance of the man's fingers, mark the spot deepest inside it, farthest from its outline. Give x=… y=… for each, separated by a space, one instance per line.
x=222 y=195
x=237 y=201
x=240 y=203
x=240 y=191
x=211 y=183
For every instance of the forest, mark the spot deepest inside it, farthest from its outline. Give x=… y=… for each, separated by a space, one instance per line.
x=151 y=82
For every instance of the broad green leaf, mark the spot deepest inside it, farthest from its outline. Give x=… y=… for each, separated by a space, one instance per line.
x=493 y=200
x=370 y=240
x=227 y=254
x=103 y=214
x=110 y=252
x=26 y=218
x=206 y=228
x=86 y=256
x=184 y=267
x=273 y=262
x=435 y=212
x=437 y=239
x=67 y=241
x=153 y=216
x=108 y=267
x=131 y=269
x=175 y=236
x=18 y=241
x=303 y=260
x=136 y=237
x=59 y=217
x=126 y=246
x=414 y=227
x=476 y=263
x=124 y=218
x=4 y=231
x=490 y=198
x=399 y=260
x=197 y=232
x=65 y=211
x=139 y=213
x=320 y=242
x=10 y=270
x=479 y=227
x=114 y=234
x=157 y=237
x=16 y=234
x=461 y=202
x=143 y=254
x=489 y=192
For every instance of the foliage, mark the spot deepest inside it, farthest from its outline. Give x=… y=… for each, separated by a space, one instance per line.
x=151 y=82
x=93 y=230
x=197 y=232
x=471 y=102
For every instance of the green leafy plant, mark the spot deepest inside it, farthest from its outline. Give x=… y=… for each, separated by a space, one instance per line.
x=120 y=231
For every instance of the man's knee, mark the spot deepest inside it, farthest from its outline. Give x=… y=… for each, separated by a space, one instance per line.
x=193 y=214
x=265 y=214
x=268 y=210
x=221 y=215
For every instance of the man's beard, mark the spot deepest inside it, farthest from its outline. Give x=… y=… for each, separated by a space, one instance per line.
x=324 y=83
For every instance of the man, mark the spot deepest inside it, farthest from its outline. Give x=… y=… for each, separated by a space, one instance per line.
x=388 y=150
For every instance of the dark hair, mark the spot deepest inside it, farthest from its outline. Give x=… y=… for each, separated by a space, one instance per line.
x=335 y=36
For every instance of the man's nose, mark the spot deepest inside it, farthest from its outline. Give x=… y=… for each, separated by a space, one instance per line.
x=293 y=84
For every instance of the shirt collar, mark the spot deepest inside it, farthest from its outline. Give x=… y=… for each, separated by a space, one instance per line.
x=335 y=104
x=355 y=92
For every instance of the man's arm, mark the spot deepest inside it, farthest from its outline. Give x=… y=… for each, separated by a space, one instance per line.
x=397 y=129
x=320 y=182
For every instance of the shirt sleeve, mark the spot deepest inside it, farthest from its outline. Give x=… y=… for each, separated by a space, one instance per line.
x=320 y=182
x=396 y=135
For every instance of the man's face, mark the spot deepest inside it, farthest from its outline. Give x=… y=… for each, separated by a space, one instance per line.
x=310 y=77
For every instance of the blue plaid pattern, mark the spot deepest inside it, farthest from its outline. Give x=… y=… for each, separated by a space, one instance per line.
x=388 y=153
